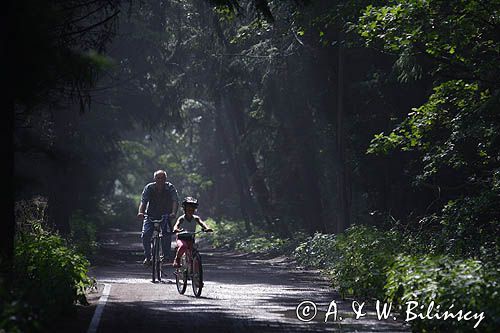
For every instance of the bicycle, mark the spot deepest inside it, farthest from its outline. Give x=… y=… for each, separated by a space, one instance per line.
x=156 y=248
x=190 y=265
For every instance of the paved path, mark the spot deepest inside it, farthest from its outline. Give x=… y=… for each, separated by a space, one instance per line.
x=242 y=293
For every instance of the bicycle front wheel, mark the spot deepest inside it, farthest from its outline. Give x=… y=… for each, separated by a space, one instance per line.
x=181 y=275
x=197 y=277
x=156 y=264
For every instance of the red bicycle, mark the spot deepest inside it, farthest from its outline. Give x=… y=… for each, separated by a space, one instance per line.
x=190 y=265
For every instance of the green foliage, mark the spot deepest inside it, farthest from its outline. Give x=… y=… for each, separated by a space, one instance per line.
x=63 y=67
x=225 y=12
x=257 y=27
x=171 y=151
x=459 y=35
x=354 y=260
x=269 y=244
x=439 y=126
x=469 y=223
x=366 y=262
x=260 y=244
x=317 y=251
x=119 y=211
x=233 y=235
x=383 y=144
x=456 y=134
x=363 y=254
x=49 y=277
x=468 y=284
x=98 y=60
x=83 y=233
x=226 y=233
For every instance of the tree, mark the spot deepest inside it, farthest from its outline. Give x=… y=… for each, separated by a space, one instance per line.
x=53 y=54
x=455 y=131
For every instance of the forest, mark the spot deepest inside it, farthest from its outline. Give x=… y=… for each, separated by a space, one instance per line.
x=362 y=137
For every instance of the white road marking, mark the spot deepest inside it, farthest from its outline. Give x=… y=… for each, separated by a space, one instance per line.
x=94 y=324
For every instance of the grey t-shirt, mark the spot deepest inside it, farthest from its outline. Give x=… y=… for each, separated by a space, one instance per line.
x=159 y=203
x=188 y=225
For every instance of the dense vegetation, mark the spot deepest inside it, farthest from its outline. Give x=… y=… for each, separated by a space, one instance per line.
x=297 y=118
x=50 y=275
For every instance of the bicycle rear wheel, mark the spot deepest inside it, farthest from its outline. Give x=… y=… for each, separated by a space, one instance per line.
x=181 y=276
x=197 y=276
x=156 y=264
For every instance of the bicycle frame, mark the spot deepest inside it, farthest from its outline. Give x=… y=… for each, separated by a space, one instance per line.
x=191 y=251
x=157 y=248
x=190 y=270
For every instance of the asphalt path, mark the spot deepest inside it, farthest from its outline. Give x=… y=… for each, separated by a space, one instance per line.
x=241 y=293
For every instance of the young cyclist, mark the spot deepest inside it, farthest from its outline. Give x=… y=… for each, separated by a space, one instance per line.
x=188 y=221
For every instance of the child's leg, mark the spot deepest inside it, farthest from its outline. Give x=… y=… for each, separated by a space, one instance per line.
x=181 y=248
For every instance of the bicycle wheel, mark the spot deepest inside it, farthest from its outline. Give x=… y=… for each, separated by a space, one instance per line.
x=181 y=275
x=197 y=277
x=158 y=259
x=156 y=268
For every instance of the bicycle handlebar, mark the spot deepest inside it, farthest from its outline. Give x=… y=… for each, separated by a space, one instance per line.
x=194 y=233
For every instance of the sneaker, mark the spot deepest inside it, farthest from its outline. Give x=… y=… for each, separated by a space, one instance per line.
x=146 y=262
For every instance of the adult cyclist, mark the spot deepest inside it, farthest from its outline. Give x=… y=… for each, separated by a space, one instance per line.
x=159 y=201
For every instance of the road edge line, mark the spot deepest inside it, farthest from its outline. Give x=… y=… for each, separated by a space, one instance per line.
x=94 y=324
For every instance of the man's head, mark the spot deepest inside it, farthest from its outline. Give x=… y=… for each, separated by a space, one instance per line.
x=160 y=177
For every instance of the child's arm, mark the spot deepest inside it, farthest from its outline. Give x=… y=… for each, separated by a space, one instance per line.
x=177 y=224
x=204 y=225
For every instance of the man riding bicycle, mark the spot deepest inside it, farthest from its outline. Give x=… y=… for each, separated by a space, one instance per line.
x=159 y=201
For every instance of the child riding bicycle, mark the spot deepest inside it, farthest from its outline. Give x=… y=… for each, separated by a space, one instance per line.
x=188 y=221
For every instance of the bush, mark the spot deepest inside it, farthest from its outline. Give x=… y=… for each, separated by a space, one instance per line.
x=471 y=285
x=226 y=234
x=354 y=260
x=233 y=235
x=118 y=212
x=49 y=277
x=318 y=251
x=364 y=253
x=468 y=223
x=83 y=233
x=270 y=244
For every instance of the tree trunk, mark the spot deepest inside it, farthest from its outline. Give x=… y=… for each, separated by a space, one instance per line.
x=62 y=185
x=253 y=176
x=308 y=167
x=58 y=208
x=9 y=228
x=9 y=225
x=343 y=210
x=224 y=140
x=260 y=189
x=298 y=128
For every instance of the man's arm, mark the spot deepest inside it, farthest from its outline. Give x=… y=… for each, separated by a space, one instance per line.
x=142 y=204
x=142 y=208
x=175 y=201
x=175 y=206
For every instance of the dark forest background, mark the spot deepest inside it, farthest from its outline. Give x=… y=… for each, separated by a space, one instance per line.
x=288 y=117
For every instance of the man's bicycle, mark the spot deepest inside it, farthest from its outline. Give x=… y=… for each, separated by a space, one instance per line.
x=157 y=249
x=190 y=265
